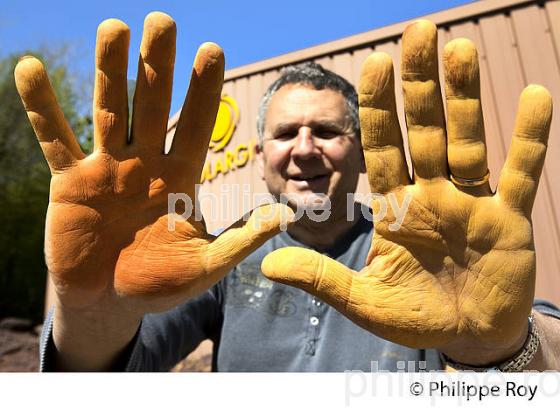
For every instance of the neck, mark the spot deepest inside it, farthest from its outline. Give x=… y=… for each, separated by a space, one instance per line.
x=323 y=235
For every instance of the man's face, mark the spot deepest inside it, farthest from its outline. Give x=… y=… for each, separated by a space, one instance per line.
x=309 y=146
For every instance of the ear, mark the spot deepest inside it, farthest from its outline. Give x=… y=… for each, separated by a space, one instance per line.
x=260 y=160
x=363 y=169
x=362 y=158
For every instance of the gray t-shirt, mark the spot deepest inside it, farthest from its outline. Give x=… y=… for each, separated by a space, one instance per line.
x=260 y=325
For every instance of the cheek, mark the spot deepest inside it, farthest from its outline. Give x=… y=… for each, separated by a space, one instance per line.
x=342 y=154
x=277 y=157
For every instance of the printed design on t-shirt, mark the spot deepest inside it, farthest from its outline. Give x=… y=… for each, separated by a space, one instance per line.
x=247 y=287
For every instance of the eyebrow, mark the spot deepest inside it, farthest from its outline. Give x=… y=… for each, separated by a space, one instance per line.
x=290 y=126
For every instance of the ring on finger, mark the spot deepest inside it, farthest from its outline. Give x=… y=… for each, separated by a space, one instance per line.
x=470 y=182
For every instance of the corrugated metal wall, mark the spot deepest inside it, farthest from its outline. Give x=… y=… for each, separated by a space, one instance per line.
x=518 y=44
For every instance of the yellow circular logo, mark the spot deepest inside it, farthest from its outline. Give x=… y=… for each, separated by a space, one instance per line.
x=226 y=121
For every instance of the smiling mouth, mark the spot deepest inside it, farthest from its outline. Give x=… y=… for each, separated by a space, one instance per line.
x=302 y=178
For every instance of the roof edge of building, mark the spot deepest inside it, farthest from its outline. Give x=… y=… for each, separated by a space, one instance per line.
x=440 y=18
x=453 y=15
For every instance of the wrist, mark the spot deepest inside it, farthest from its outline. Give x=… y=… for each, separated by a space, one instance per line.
x=486 y=356
x=515 y=358
x=91 y=339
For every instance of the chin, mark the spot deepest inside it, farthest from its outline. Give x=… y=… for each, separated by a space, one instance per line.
x=307 y=198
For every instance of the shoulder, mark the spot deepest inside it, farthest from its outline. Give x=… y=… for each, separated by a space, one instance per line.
x=547 y=308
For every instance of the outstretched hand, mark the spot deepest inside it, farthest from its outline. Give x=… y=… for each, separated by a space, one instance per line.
x=459 y=274
x=108 y=241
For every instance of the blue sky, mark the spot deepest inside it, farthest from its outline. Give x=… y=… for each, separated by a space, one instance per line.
x=248 y=31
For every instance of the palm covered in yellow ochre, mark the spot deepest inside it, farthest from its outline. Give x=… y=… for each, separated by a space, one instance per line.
x=108 y=240
x=460 y=271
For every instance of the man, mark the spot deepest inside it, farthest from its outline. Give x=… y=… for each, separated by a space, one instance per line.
x=453 y=277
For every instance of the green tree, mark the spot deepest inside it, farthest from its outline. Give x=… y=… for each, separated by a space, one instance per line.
x=24 y=189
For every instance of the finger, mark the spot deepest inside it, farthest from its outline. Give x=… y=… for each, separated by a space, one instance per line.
x=466 y=146
x=196 y=122
x=520 y=176
x=422 y=101
x=245 y=236
x=370 y=299
x=381 y=134
x=110 y=100
x=317 y=274
x=53 y=131
x=152 y=98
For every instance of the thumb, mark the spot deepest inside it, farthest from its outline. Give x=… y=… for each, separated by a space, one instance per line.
x=245 y=236
x=317 y=274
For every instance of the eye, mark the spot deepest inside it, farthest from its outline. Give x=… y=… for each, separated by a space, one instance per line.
x=327 y=133
x=285 y=135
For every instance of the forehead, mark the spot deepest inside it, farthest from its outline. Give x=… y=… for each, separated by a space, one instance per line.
x=303 y=104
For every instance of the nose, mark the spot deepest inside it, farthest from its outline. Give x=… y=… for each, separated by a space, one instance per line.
x=304 y=144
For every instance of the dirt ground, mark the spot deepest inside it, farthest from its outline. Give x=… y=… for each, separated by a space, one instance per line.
x=19 y=345
x=19 y=349
x=198 y=361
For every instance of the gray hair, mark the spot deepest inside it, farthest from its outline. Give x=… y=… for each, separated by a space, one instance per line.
x=314 y=75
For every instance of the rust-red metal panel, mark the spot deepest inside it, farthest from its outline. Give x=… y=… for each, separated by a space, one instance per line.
x=325 y=62
x=358 y=58
x=342 y=65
